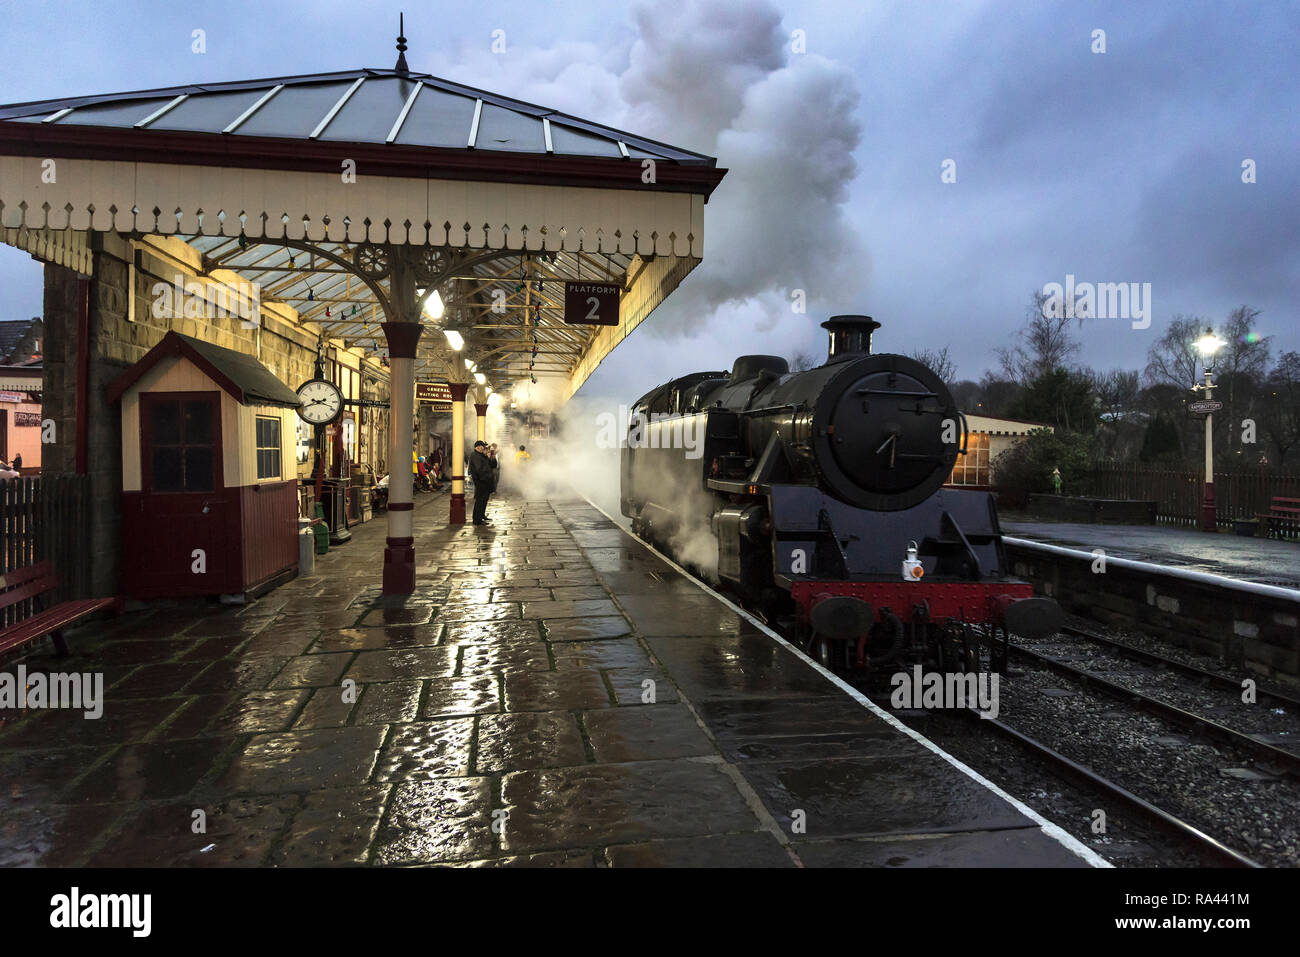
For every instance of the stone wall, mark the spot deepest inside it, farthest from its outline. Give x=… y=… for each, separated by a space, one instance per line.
x=1105 y=511
x=1241 y=629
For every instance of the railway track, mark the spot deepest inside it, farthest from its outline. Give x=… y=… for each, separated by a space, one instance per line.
x=1213 y=678
x=1210 y=848
x=1276 y=759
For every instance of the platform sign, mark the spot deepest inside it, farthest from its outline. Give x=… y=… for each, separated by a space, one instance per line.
x=1206 y=405
x=591 y=303
x=437 y=394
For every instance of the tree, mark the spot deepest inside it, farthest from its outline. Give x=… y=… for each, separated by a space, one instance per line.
x=1061 y=398
x=968 y=395
x=1160 y=442
x=1172 y=359
x=1027 y=466
x=1044 y=343
x=997 y=395
x=1116 y=396
x=1116 y=391
x=1280 y=406
x=1169 y=402
x=937 y=361
x=1241 y=364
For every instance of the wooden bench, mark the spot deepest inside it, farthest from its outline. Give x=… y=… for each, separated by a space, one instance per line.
x=36 y=582
x=1282 y=519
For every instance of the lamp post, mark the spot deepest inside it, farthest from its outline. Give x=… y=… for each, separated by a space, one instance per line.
x=1207 y=346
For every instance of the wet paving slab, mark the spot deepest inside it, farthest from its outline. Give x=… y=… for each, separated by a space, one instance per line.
x=552 y=695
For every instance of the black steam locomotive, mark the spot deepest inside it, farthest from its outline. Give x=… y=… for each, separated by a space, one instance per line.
x=818 y=497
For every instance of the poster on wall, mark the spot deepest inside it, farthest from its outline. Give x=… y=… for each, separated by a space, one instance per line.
x=304 y=442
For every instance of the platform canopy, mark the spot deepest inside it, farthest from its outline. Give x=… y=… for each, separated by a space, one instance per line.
x=309 y=185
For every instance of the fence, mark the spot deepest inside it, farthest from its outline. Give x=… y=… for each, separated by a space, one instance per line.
x=46 y=518
x=1238 y=493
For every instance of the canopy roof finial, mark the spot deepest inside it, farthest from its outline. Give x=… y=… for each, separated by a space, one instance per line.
x=401 y=45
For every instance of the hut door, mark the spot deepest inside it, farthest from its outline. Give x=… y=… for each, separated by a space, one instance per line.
x=184 y=500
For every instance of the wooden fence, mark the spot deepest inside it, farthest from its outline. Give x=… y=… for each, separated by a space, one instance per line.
x=48 y=517
x=1238 y=493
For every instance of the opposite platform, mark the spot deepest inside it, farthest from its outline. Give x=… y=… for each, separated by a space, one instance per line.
x=1259 y=560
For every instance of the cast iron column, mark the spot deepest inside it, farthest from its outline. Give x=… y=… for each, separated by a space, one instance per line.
x=399 y=556
x=480 y=409
x=458 y=390
x=403 y=334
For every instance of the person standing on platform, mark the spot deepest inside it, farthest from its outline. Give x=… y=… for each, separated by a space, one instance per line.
x=483 y=469
x=522 y=456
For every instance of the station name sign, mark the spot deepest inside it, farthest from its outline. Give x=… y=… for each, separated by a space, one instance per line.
x=591 y=303
x=1205 y=405
x=437 y=394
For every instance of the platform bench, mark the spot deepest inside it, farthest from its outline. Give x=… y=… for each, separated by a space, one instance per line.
x=37 y=582
x=1282 y=519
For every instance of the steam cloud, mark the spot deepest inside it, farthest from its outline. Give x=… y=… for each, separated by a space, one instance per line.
x=721 y=78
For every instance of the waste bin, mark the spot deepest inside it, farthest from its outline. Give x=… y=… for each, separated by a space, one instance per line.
x=306 y=549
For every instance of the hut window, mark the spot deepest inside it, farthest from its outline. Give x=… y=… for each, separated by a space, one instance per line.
x=268 y=447
x=181 y=443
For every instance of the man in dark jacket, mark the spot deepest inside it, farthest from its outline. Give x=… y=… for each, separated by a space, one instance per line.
x=483 y=469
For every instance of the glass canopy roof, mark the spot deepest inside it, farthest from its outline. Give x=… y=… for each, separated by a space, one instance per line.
x=358 y=106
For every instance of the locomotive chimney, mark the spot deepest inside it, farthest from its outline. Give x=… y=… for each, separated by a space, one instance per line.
x=849 y=335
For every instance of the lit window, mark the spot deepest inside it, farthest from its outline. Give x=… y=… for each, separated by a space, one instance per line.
x=973 y=467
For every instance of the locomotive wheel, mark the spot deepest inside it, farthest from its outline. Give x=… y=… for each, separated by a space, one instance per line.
x=952 y=654
x=887 y=641
x=822 y=651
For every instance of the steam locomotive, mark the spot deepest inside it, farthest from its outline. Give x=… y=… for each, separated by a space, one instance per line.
x=818 y=497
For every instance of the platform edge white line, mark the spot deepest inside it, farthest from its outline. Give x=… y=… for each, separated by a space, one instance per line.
x=1169 y=571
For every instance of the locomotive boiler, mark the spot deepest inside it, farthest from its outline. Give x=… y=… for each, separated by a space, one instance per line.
x=818 y=497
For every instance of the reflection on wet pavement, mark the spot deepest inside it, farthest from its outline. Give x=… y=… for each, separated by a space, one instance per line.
x=552 y=695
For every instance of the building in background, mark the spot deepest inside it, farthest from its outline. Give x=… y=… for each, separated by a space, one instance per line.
x=987 y=439
x=20 y=392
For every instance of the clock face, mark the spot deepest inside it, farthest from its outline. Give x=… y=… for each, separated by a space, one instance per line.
x=321 y=402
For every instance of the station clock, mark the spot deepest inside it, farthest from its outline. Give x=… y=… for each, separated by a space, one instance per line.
x=320 y=402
